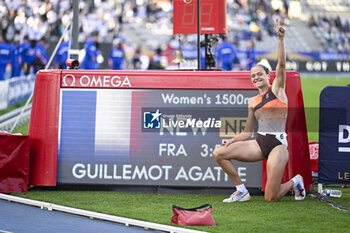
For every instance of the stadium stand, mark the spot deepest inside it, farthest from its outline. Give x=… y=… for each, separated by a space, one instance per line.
x=329 y=6
x=329 y=22
x=313 y=25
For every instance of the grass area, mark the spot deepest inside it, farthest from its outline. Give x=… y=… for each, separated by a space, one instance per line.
x=288 y=215
x=23 y=129
x=312 y=87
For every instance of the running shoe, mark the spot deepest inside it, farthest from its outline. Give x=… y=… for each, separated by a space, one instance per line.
x=238 y=196
x=299 y=189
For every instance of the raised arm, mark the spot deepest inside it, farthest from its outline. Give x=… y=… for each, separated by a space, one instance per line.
x=278 y=85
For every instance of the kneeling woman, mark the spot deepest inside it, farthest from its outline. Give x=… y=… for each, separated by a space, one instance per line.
x=269 y=108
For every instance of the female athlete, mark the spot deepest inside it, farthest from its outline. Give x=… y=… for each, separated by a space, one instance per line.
x=269 y=108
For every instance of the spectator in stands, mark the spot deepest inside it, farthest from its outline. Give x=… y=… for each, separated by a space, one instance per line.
x=251 y=55
x=136 y=59
x=5 y=22
x=347 y=48
x=202 y=59
x=41 y=57
x=10 y=29
x=120 y=36
x=286 y=6
x=117 y=56
x=226 y=55
x=15 y=57
x=346 y=26
x=329 y=39
x=151 y=10
x=4 y=56
x=140 y=61
x=62 y=55
x=343 y=44
x=158 y=61
x=91 y=52
x=312 y=21
x=338 y=24
x=28 y=55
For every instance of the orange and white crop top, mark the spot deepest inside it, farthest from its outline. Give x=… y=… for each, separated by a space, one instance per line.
x=270 y=112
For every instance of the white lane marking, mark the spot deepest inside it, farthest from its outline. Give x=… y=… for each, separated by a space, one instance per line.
x=2 y=231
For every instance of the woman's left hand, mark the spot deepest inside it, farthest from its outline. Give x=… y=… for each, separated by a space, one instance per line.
x=281 y=31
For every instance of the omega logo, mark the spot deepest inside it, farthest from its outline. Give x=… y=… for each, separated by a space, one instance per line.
x=69 y=80
x=68 y=76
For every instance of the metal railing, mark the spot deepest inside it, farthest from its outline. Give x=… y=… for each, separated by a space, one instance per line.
x=101 y=216
x=8 y=119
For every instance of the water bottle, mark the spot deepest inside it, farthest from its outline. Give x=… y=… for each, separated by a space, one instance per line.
x=332 y=193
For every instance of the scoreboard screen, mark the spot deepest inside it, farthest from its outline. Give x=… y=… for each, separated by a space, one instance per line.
x=150 y=136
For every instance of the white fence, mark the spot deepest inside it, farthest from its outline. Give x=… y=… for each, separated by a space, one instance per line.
x=15 y=89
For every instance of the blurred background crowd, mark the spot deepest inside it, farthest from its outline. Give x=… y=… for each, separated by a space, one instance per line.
x=137 y=34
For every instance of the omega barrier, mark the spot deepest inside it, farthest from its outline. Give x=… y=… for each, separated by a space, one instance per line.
x=153 y=128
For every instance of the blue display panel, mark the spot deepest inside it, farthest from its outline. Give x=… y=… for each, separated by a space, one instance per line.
x=334 y=146
x=150 y=136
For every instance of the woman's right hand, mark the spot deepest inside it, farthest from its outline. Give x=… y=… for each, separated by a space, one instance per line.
x=226 y=142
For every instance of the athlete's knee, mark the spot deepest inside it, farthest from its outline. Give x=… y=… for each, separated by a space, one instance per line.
x=217 y=154
x=271 y=198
